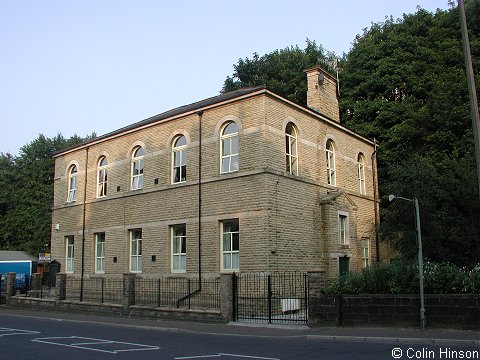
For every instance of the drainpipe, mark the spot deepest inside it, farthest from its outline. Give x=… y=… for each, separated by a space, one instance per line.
x=83 y=224
x=375 y=197
x=200 y=115
x=190 y=294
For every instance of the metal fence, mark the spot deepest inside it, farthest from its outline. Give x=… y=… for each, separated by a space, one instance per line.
x=2 y=288
x=178 y=292
x=270 y=297
x=96 y=290
x=154 y=292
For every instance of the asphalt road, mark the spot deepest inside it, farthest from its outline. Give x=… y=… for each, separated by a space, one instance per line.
x=29 y=337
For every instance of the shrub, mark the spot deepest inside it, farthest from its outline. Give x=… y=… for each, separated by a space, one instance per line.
x=403 y=278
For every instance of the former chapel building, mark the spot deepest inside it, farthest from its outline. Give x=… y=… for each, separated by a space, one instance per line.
x=245 y=181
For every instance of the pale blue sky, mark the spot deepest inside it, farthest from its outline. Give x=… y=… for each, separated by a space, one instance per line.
x=83 y=66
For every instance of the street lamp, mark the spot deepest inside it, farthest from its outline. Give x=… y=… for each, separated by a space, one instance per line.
x=392 y=198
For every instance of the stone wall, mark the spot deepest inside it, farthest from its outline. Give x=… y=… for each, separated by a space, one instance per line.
x=128 y=307
x=441 y=311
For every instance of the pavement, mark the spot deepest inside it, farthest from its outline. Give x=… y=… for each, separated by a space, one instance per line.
x=367 y=334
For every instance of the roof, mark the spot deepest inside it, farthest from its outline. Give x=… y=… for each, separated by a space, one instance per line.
x=16 y=256
x=203 y=104
x=171 y=113
x=331 y=197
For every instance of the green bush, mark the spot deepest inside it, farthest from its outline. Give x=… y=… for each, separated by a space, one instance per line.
x=403 y=278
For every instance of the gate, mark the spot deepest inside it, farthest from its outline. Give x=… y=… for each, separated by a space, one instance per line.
x=276 y=297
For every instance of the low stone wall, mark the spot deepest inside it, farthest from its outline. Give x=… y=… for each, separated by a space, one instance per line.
x=128 y=307
x=115 y=309
x=447 y=311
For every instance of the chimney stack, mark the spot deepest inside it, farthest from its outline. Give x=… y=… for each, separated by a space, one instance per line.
x=322 y=92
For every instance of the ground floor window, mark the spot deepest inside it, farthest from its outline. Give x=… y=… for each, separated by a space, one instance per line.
x=100 y=253
x=343 y=230
x=230 y=245
x=69 y=253
x=136 y=250
x=179 y=248
x=365 y=252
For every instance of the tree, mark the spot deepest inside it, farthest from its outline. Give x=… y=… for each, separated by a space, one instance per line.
x=404 y=83
x=281 y=71
x=26 y=193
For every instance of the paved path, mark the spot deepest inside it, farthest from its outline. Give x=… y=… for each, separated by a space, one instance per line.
x=57 y=336
x=409 y=335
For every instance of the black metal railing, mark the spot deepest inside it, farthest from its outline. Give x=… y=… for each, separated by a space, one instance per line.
x=177 y=292
x=270 y=297
x=95 y=289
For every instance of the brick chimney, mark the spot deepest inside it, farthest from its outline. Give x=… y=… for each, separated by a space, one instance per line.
x=322 y=92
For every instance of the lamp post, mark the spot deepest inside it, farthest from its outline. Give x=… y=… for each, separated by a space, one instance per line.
x=420 y=253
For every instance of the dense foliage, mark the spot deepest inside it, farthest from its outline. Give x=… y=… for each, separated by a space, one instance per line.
x=26 y=194
x=281 y=71
x=404 y=83
x=403 y=278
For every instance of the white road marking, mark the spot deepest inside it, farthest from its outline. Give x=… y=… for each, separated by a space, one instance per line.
x=224 y=354
x=90 y=341
x=250 y=357
x=9 y=332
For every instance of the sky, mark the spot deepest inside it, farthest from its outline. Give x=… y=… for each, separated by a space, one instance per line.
x=78 y=67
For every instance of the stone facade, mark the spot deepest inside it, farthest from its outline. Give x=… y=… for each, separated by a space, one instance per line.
x=286 y=221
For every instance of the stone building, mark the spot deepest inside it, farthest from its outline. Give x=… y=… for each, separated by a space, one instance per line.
x=245 y=181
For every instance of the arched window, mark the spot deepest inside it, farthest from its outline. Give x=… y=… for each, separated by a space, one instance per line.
x=331 y=172
x=229 y=148
x=179 y=160
x=361 y=174
x=137 y=168
x=102 y=177
x=291 y=149
x=72 y=184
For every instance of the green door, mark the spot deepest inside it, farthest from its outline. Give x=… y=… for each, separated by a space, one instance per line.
x=343 y=265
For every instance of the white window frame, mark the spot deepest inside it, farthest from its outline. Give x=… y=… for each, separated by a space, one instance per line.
x=179 y=241
x=331 y=171
x=361 y=174
x=365 y=251
x=72 y=184
x=230 y=157
x=180 y=153
x=137 y=254
x=102 y=173
x=100 y=253
x=291 y=149
x=69 y=254
x=343 y=228
x=233 y=255
x=137 y=163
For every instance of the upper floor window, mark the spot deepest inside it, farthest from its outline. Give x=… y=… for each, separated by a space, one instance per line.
x=72 y=184
x=230 y=245
x=102 y=177
x=361 y=174
x=179 y=248
x=229 y=148
x=291 y=149
x=137 y=168
x=331 y=172
x=69 y=254
x=179 y=160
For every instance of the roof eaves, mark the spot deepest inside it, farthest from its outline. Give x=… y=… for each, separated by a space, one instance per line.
x=321 y=116
x=168 y=115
